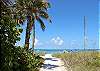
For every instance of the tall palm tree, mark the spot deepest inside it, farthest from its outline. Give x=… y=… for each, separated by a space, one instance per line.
x=33 y=10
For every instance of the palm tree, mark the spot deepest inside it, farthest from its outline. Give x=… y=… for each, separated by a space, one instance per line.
x=33 y=10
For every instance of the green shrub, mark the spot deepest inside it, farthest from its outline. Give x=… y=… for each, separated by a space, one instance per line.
x=14 y=58
x=29 y=62
x=22 y=60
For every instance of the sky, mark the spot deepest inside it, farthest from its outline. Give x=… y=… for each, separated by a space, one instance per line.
x=99 y=24
x=67 y=27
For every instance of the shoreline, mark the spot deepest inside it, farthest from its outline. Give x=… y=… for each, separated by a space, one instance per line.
x=52 y=51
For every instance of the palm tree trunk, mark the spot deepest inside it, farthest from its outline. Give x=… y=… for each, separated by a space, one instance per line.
x=33 y=37
x=27 y=34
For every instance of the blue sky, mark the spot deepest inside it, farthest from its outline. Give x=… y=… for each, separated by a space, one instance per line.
x=66 y=30
x=99 y=24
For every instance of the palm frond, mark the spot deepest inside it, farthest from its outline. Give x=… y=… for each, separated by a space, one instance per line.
x=49 y=5
x=6 y=2
x=44 y=15
x=50 y=21
x=41 y=24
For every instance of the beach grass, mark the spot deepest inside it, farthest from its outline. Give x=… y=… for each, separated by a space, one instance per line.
x=42 y=53
x=81 y=61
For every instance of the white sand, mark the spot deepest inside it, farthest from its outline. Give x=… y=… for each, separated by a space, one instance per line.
x=52 y=64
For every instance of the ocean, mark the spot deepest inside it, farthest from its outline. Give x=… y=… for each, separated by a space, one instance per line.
x=50 y=51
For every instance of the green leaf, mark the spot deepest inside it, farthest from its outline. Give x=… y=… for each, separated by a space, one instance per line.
x=20 y=30
x=18 y=38
x=44 y=15
x=49 y=5
x=41 y=24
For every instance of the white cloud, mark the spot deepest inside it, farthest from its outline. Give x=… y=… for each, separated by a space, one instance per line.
x=57 y=41
x=37 y=42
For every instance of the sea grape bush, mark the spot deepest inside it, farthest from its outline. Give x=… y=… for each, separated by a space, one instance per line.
x=14 y=58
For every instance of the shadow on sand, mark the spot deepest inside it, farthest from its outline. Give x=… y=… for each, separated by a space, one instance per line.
x=49 y=66
x=51 y=59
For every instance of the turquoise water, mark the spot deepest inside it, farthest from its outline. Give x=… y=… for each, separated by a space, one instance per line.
x=63 y=50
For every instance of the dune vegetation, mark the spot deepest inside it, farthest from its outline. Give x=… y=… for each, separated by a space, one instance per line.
x=12 y=17
x=81 y=61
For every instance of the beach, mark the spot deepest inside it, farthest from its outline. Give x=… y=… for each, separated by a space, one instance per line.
x=52 y=64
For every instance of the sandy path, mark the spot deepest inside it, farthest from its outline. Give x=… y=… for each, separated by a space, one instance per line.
x=52 y=64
